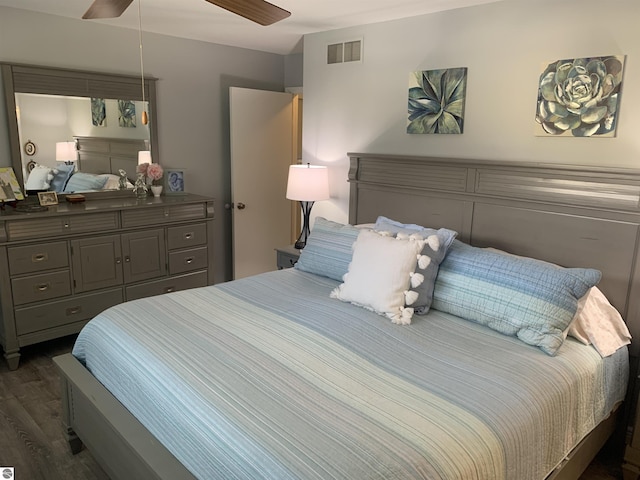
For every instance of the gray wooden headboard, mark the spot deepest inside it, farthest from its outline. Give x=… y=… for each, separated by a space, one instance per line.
x=109 y=155
x=573 y=216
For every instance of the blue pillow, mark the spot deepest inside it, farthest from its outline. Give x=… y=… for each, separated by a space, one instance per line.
x=434 y=249
x=80 y=182
x=518 y=296
x=61 y=175
x=329 y=249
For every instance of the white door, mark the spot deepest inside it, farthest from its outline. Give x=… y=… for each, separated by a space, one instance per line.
x=262 y=147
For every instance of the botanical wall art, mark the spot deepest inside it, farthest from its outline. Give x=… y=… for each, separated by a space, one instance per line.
x=98 y=112
x=580 y=97
x=436 y=101
x=126 y=113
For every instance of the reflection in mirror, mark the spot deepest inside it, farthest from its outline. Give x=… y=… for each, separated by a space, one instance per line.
x=106 y=136
x=101 y=114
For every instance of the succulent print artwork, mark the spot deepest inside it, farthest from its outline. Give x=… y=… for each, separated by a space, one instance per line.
x=436 y=101
x=580 y=97
x=126 y=113
x=98 y=112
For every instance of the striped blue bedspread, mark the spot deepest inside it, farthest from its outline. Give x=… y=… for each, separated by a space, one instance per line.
x=269 y=378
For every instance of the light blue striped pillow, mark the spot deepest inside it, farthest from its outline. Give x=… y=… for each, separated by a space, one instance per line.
x=81 y=182
x=329 y=249
x=518 y=296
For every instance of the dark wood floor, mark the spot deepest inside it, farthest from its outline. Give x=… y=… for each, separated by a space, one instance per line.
x=31 y=434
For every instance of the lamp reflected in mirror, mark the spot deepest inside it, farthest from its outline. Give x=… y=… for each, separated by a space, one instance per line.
x=66 y=152
x=144 y=156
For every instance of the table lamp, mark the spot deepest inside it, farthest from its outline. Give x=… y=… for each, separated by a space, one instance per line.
x=307 y=184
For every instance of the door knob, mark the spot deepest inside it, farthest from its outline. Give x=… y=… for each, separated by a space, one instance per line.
x=241 y=206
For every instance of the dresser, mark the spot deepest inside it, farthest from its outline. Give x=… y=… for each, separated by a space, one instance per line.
x=61 y=267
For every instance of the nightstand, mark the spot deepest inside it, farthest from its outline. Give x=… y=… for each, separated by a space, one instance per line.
x=287 y=256
x=631 y=463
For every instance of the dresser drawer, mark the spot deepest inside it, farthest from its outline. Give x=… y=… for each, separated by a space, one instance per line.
x=187 y=260
x=186 y=236
x=44 y=286
x=62 y=312
x=36 y=258
x=66 y=225
x=167 y=285
x=163 y=214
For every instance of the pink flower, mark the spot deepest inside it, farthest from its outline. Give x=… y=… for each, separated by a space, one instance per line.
x=154 y=171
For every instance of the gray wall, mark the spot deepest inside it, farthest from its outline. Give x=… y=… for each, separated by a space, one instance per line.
x=193 y=101
x=356 y=107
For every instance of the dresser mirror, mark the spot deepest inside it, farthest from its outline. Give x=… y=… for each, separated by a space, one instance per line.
x=96 y=116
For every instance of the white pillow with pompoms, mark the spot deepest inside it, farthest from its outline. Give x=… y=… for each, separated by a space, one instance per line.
x=381 y=274
x=39 y=178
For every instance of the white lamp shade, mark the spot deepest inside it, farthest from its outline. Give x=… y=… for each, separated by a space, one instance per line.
x=144 y=156
x=66 y=152
x=308 y=183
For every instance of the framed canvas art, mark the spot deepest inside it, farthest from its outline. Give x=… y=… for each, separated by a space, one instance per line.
x=436 y=101
x=126 y=113
x=580 y=97
x=98 y=112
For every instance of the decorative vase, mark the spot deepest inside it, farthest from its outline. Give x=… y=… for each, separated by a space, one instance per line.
x=140 y=187
x=156 y=189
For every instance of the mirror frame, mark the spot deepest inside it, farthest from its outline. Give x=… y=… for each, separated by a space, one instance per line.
x=18 y=78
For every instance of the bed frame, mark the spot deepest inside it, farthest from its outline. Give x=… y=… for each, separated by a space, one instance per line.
x=570 y=215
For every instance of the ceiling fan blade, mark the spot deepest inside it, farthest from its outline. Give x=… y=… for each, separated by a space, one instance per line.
x=257 y=11
x=106 y=9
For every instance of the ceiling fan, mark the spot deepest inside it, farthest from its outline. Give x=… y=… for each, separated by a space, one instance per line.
x=258 y=11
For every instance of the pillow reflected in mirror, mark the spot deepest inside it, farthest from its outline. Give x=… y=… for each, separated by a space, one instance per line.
x=81 y=182
x=61 y=175
x=39 y=178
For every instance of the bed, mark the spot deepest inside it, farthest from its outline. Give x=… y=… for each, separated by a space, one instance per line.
x=98 y=167
x=271 y=377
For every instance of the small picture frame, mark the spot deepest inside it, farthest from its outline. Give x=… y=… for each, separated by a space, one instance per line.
x=48 y=198
x=174 y=183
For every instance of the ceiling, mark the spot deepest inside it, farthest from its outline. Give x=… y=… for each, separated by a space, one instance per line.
x=199 y=20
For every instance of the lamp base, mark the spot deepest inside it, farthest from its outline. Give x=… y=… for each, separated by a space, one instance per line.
x=304 y=234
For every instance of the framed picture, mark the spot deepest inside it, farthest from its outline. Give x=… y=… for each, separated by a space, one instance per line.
x=175 y=181
x=436 y=101
x=30 y=148
x=580 y=97
x=9 y=187
x=48 y=198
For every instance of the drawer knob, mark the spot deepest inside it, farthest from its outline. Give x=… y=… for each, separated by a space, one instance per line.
x=66 y=225
x=118 y=260
x=74 y=310
x=39 y=257
x=188 y=236
x=189 y=260
x=169 y=289
x=127 y=259
x=42 y=287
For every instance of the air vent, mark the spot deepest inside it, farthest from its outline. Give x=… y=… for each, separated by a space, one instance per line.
x=344 y=52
